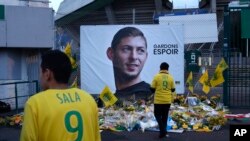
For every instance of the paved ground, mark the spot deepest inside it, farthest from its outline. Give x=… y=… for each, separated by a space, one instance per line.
x=12 y=134
x=222 y=135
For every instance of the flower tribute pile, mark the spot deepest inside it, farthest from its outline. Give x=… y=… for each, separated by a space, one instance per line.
x=197 y=113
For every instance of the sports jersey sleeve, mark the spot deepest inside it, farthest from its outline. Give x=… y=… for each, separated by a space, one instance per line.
x=98 y=136
x=173 y=83
x=29 y=128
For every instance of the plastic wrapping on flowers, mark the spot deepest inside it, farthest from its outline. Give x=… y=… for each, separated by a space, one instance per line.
x=202 y=114
x=130 y=117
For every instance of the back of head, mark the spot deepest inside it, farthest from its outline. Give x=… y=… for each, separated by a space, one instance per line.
x=126 y=32
x=164 y=66
x=59 y=63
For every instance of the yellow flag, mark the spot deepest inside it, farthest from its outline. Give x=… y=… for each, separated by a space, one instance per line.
x=205 y=82
x=217 y=78
x=74 y=84
x=107 y=97
x=190 y=82
x=218 y=73
x=222 y=65
x=67 y=51
x=73 y=62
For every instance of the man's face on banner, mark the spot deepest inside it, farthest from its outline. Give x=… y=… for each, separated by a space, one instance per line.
x=129 y=56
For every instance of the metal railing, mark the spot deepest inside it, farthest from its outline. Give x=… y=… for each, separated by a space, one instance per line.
x=16 y=97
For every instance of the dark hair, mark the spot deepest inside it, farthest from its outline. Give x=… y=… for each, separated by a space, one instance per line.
x=164 y=66
x=126 y=32
x=59 y=63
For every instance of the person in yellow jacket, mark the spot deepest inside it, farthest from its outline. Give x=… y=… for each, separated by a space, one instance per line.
x=59 y=113
x=163 y=86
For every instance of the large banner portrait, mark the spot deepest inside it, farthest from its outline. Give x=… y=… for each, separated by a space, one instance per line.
x=124 y=57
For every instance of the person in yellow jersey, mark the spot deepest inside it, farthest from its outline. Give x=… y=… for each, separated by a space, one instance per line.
x=163 y=86
x=59 y=113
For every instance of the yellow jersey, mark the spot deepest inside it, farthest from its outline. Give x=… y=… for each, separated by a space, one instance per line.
x=163 y=82
x=61 y=115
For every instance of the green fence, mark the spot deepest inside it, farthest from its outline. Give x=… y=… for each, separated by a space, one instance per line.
x=236 y=88
x=31 y=87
